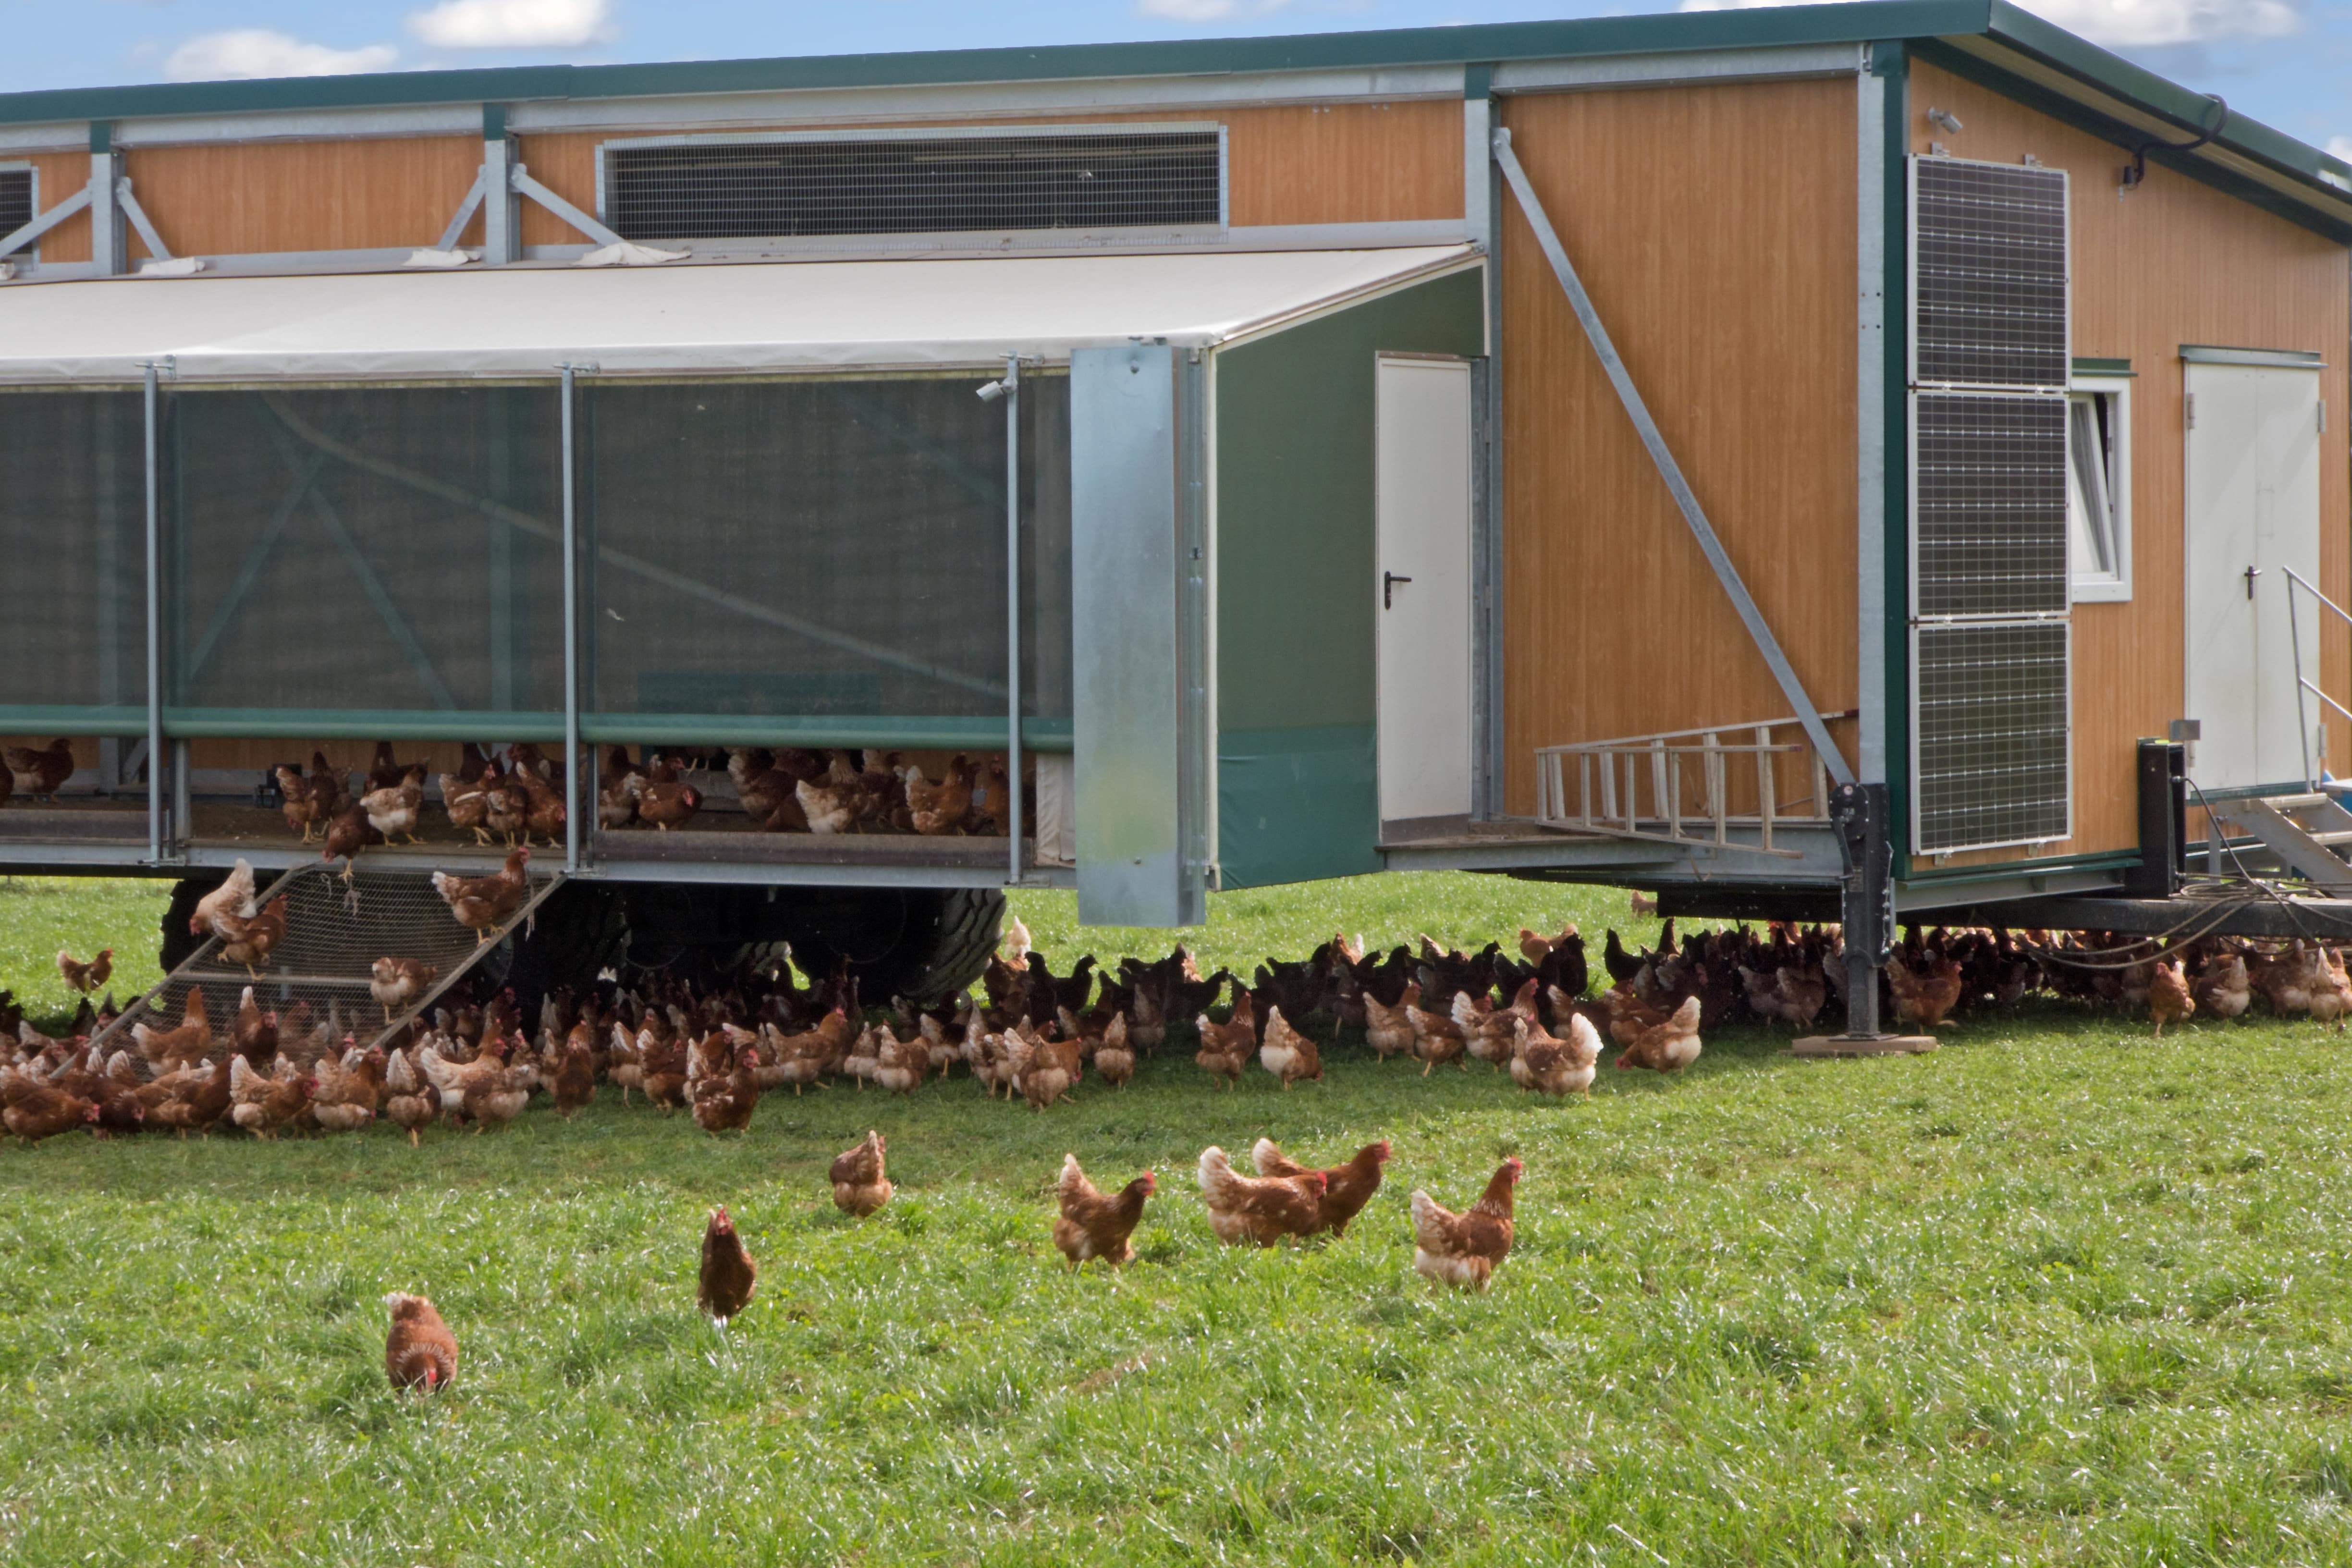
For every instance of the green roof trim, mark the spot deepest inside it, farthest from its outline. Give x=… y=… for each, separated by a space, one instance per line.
x=2103 y=366
x=1860 y=22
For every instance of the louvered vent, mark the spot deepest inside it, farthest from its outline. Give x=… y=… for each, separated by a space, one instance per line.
x=1991 y=505
x=798 y=185
x=1992 y=756
x=16 y=200
x=1992 y=732
x=1989 y=266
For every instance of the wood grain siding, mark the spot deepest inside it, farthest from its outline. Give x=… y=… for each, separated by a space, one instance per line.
x=1350 y=162
x=1715 y=229
x=62 y=174
x=2172 y=262
x=247 y=197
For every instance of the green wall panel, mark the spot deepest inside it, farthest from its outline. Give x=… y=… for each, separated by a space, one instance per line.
x=1295 y=702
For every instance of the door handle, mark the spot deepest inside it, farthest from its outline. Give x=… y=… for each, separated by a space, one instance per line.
x=1389 y=580
x=2251 y=573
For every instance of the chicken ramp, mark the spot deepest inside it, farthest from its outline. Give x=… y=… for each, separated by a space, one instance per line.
x=319 y=975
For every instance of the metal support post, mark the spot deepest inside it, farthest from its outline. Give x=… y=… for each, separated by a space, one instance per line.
x=570 y=640
x=1867 y=899
x=155 y=623
x=183 y=820
x=501 y=235
x=109 y=252
x=1012 y=384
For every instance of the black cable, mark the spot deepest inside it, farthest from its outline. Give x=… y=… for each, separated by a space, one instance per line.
x=2138 y=169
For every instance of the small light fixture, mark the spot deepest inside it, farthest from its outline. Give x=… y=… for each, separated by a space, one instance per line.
x=1945 y=120
x=993 y=391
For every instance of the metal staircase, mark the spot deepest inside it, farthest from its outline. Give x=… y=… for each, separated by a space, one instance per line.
x=2303 y=833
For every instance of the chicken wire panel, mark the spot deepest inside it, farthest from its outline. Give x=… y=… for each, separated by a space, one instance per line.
x=1993 y=759
x=1989 y=273
x=822 y=548
x=365 y=549
x=16 y=199
x=1988 y=504
x=73 y=532
x=319 y=973
x=761 y=189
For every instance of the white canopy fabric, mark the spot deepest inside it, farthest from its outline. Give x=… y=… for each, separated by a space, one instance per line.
x=716 y=318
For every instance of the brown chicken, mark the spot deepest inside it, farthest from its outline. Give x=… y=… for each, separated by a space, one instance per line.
x=1287 y=1054
x=397 y=983
x=347 y=834
x=1389 y=1030
x=1093 y=1225
x=1924 y=998
x=344 y=1098
x=41 y=772
x=1466 y=1250
x=1669 y=1047
x=940 y=808
x=410 y=1101
x=506 y=805
x=1258 y=1209
x=1436 y=1039
x=256 y=939
x=86 y=977
x=1227 y=1048
x=39 y=1111
x=232 y=900
x=261 y=1104
x=1555 y=1066
x=420 y=1352
x=484 y=903
x=395 y=809
x=190 y=1041
x=467 y=802
x=1346 y=1188
x=1114 y=1056
x=860 y=1184
x=725 y=1104
x=729 y=1274
x=572 y=1085
x=2168 y=1000
x=2221 y=989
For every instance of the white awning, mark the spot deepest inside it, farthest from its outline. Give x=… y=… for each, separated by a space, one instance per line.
x=677 y=319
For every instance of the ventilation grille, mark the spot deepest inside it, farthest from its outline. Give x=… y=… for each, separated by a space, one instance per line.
x=16 y=200
x=946 y=184
x=1991 y=730
x=1991 y=489
x=1989 y=257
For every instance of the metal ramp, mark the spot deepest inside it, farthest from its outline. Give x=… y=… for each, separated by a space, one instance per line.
x=2305 y=832
x=319 y=973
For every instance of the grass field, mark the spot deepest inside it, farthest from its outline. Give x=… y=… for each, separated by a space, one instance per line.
x=2054 y=1294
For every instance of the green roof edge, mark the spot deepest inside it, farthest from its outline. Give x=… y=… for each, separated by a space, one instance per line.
x=1859 y=22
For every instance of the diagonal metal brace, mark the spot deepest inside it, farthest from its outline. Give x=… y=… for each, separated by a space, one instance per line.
x=1758 y=629
x=18 y=240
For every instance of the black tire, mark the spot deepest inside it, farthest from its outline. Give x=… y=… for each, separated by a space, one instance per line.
x=922 y=944
x=582 y=930
x=919 y=943
x=180 y=944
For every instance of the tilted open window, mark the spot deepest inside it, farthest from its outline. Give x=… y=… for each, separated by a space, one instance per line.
x=2098 y=489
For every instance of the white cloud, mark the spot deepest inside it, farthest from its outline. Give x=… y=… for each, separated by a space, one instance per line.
x=514 y=24
x=2134 y=23
x=244 y=52
x=1206 y=10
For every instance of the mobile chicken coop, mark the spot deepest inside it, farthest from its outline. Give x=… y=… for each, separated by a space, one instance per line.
x=1795 y=459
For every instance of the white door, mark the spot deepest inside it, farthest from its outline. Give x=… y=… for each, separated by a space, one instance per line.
x=2252 y=513
x=1421 y=586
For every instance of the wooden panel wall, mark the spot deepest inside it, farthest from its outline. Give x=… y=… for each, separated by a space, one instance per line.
x=238 y=199
x=2172 y=262
x=1349 y=162
x=1715 y=229
x=62 y=174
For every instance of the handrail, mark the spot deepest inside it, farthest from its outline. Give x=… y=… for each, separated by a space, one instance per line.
x=2302 y=683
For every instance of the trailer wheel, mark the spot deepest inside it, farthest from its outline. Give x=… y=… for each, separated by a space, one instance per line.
x=581 y=930
x=179 y=944
x=919 y=945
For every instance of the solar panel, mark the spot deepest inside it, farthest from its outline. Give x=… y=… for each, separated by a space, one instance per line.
x=1990 y=735
x=777 y=187
x=1988 y=504
x=1989 y=274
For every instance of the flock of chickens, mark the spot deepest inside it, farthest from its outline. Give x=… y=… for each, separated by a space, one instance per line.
x=521 y=799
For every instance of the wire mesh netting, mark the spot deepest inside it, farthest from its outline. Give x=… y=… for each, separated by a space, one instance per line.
x=73 y=533
x=775 y=189
x=823 y=547
x=357 y=549
x=16 y=199
x=316 y=978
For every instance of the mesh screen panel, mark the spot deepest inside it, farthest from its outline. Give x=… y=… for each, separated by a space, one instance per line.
x=1991 y=716
x=1989 y=490
x=1989 y=262
x=753 y=190
x=73 y=534
x=377 y=549
x=823 y=547
x=16 y=200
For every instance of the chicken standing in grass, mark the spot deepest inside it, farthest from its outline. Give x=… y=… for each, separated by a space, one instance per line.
x=2168 y=1000
x=1466 y=1250
x=729 y=1274
x=1667 y=1047
x=860 y=1184
x=1552 y=1066
x=1094 y=1225
x=1287 y=1054
x=1346 y=1188
x=82 y=977
x=1259 y=1209
x=420 y=1352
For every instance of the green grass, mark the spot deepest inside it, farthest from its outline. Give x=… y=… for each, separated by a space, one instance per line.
x=2054 y=1294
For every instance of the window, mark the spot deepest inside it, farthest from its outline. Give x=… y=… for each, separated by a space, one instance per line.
x=19 y=200
x=2098 y=487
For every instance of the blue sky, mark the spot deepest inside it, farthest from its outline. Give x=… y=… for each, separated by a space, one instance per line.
x=2287 y=62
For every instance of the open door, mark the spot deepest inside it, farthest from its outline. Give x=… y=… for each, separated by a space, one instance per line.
x=1420 y=590
x=2252 y=488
